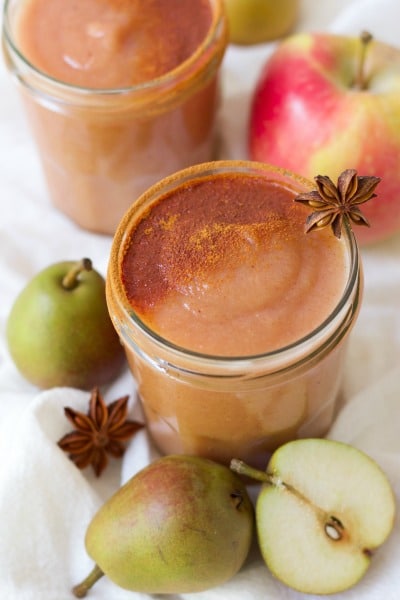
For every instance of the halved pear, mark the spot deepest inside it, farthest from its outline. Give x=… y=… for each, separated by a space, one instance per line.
x=322 y=511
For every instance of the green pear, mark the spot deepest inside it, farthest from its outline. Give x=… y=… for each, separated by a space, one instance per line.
x=257 y=21
x=323 y=510
x=181 y=524
x=59 y=332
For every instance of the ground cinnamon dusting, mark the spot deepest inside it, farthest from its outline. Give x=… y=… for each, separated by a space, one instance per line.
x=204 y=227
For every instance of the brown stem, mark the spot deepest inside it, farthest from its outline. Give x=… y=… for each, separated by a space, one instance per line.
x=242 y=468
x=82 y=588
x=360 y=82
x=70 y=279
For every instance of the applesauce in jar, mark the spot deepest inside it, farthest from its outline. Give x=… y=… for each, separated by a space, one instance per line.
x=118 y=94
x=233 y=319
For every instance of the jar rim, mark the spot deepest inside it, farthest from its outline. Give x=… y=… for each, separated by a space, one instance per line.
x=116 y=295
x=208 y=54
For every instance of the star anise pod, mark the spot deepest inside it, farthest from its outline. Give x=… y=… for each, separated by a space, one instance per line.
x=98 y=433
x=334 y=204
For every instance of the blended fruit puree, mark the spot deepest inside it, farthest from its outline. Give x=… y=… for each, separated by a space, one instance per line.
x=111 y=43
x=116 y=126
x=222 y=266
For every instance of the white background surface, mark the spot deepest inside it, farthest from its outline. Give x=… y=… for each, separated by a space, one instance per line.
x=45 y=502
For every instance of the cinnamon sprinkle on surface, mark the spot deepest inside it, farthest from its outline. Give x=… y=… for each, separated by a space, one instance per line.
x=212 y=224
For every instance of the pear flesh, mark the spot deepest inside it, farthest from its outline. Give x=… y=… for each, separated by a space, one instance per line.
x=323 y=509
x=182 y=524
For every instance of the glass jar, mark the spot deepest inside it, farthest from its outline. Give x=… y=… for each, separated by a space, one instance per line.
x=101 y=148
x=246 y=406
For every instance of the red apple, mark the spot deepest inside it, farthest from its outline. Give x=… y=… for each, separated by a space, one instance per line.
x=325 y=103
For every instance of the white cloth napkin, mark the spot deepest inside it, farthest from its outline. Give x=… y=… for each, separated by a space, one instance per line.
x=46 y=503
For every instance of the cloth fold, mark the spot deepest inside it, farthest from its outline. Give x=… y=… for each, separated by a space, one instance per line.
x=46 y=503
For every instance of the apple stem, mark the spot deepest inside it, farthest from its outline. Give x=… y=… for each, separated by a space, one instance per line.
x=360 y=81
x=241 y=468
x=82 y=588
x=70 y=279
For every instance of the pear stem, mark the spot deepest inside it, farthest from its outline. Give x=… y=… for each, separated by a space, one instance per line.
x=360 y=81
x=70 y=279
x=82 y=588
x=333 y=527
x=242 y=468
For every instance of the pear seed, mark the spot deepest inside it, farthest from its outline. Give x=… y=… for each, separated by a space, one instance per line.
x=332 y=532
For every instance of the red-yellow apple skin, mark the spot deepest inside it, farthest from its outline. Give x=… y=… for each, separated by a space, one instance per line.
x=307 y=116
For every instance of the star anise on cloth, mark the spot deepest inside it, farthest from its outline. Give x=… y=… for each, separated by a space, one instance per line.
x=99 y=433
x=334 y=204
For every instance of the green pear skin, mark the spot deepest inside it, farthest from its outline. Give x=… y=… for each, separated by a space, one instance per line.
x=182 y=524
x=64 y=337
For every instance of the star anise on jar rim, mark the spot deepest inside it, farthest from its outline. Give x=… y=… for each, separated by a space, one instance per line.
x=99 y=433
x=334 y=204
